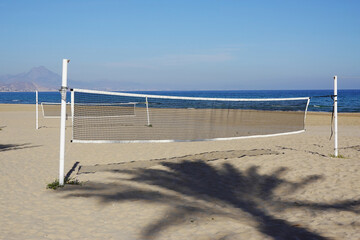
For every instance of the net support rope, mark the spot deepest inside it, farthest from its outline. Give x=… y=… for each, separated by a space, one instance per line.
x=332 y=112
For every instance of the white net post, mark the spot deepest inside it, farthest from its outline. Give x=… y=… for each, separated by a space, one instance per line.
x=37 y=110
x=63 y=121
x=72 y=108
x=147 y=112
x=335 y=119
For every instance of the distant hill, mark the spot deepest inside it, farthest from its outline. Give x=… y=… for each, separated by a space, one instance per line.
x=38 y=78
x=42 y=79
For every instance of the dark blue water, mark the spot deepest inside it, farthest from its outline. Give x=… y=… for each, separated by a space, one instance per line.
x=348 y=100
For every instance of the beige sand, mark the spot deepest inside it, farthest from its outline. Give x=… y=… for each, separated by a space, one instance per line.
x=271 y=188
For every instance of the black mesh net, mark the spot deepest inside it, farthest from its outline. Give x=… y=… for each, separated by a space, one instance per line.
x=116 y=117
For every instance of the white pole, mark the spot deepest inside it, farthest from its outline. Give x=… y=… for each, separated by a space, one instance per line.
x=335 y=118
x=72 y=107
x=147 y=112
x=37 y=109
x=63 y=121
x=72 y=112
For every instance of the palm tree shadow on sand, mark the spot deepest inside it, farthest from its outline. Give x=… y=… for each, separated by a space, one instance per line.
x=9 y=147
x=195 y=190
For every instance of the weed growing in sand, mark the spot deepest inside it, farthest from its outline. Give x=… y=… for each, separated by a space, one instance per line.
x=55 y=184
x=339 y=156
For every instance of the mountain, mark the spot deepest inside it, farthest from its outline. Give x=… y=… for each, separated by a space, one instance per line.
x=42 y=79
x=38 y=78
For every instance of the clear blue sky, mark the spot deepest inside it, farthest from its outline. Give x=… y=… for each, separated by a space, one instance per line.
x=228 y=44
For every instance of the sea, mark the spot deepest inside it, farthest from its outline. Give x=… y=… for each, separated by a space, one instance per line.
x=320 y=100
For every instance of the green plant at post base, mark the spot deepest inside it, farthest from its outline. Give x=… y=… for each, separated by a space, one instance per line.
x=55 y=184
x=338 y=156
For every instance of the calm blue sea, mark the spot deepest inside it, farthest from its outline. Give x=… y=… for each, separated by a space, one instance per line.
x=348 y=100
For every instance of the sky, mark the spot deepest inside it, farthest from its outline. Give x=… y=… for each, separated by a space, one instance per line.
x=187 y=44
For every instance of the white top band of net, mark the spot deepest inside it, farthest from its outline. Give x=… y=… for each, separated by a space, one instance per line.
x=186 y=98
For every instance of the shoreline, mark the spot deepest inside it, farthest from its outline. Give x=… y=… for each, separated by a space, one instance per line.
x=30 y=106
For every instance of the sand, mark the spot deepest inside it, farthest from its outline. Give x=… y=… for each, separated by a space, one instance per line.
x=285 y=187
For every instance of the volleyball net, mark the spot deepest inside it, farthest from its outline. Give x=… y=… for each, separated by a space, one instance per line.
x=53 y=110
x=101 y=117
x=48 y=110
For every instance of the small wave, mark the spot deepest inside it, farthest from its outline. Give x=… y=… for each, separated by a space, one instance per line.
x=15 y=100
x=321 y=106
